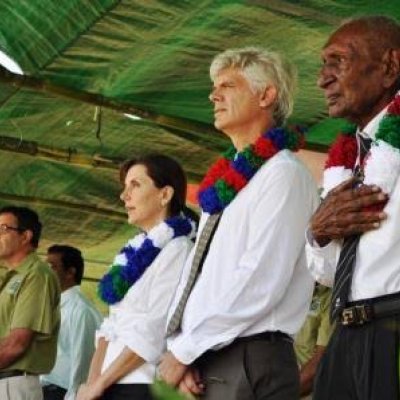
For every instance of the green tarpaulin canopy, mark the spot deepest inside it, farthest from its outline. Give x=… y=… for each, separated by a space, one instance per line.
x=87 y=62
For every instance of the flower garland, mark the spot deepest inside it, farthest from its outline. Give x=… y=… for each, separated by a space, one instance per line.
x=233 y=170
x=137 y=255
x=382 y=163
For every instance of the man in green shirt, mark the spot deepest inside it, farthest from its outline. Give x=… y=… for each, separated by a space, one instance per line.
x=29 y=307
x=313 y=337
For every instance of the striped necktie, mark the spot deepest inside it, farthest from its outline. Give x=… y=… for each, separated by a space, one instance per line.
x=347 y=257
x=199 y=256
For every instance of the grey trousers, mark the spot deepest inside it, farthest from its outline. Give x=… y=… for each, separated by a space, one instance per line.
x=251 y=370
x=21 y=388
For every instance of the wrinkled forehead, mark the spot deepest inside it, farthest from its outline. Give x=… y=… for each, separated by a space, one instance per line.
x=349 y=38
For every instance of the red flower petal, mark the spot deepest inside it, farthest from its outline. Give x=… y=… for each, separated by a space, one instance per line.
x=343 y=152
x=214 y=173
x=394 y=106
x=264 y=148
x=234 y=179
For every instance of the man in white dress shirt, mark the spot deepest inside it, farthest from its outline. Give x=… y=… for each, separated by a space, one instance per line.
x=254 y=290
x=79 y=321
x=360 y=78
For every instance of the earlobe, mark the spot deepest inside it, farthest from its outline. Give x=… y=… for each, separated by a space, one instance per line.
x=167 y=194
x=71 y=272
x=27 y=236
x=268 y=97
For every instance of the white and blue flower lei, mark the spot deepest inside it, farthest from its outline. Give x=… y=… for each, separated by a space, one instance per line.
x=137 y=255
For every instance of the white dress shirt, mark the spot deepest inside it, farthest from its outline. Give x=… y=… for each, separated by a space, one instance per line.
x=139 y=320
x=254 y=278
x=75 y=345
x=377 y=266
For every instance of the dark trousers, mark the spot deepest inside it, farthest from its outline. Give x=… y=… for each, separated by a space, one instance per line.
x=257 y=369
x=134 y=391
x=53 y=392
x=361 y=363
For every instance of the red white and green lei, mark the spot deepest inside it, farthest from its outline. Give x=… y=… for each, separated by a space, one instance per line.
x=382 y=163
x=233 y=170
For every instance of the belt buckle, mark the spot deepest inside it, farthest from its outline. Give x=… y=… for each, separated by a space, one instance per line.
x=348 y=316
x=356 y=315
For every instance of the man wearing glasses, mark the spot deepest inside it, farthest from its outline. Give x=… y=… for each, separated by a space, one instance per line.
x=29 y=307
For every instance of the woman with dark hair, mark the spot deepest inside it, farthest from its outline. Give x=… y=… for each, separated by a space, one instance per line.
x=142 y=280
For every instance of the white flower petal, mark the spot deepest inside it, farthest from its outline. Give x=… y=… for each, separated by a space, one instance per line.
x=333 y=177
x=382 y=166
x=137 y=241
x=120 y=259
x=161 y=235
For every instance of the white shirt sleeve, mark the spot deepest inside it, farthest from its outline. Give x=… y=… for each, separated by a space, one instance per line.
x=107 y=328
x=274 y=243
x=145 y=333
x=83 y=325
x=321 y=261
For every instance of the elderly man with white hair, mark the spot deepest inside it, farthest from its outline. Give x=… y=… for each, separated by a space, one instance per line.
x=245 y=289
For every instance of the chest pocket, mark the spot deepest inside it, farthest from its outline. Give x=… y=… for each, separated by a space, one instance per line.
x=315 y=307
x=14 y=285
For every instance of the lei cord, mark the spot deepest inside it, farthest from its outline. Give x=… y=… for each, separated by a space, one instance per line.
x=233 y=170
x=343 y=152
x=137 y=255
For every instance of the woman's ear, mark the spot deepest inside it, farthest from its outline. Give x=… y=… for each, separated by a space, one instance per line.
x=167 y=193
x=268 y=96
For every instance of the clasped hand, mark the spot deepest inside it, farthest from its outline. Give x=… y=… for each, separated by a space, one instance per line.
x=344 y=212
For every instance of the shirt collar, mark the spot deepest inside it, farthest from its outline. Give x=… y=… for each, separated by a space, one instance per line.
x=371 y=128
x=27 y=262
x=69 y=293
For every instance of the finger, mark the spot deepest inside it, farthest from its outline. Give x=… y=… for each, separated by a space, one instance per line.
x=194 y=385
x=362 y=217
x=186 y=391
x=355 y=229
x=353 y=202
x=363 y=191
x=347 y=184
x=376 y=201
x=197 y=378
x=183 y=388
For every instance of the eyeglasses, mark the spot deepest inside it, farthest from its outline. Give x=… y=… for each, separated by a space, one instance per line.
x=5 y=228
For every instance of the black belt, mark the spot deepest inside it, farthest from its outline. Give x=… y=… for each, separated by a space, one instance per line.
x=54 y=388
x=269 y=336
x=11 y=373
x=364 y=311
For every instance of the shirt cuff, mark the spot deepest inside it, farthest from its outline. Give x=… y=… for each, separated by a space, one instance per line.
x=184 y=349
x=312 y=242
x=106 y=330
x=150 y=352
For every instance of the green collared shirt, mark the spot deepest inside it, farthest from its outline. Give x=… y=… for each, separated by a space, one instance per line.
x=317 y=328
x=30 y=298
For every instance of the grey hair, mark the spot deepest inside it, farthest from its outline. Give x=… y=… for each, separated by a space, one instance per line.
x=262 y=68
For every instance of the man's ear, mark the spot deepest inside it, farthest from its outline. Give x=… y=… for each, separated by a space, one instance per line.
x=391 y=60
x=268 y=96
x=71 y=272
x=28 y=235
